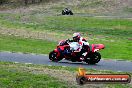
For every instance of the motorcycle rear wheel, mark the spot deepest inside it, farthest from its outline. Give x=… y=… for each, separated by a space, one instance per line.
x=94 y=58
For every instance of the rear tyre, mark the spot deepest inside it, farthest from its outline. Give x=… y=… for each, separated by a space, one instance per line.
x=53 y=57
x=94 y=58
x=70 y=12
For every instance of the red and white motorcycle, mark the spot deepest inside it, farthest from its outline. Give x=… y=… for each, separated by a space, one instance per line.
x=89 y=53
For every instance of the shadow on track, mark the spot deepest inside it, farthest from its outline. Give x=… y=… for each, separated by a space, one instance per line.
x=66 y=63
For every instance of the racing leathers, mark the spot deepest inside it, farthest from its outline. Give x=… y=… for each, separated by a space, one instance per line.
x=77 y=46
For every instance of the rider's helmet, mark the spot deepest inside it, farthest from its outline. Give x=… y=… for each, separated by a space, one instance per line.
x=76 y=37
x=66 y=9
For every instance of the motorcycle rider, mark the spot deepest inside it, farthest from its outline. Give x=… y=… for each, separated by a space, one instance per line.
x=79 y=42
x=77 y=38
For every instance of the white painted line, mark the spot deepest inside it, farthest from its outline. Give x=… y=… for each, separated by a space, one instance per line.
x=63 y=66
x=32 y=53
x=28 y=63
x=24 y=53
x=7 y=52
x=119 y=71
x=128 y=61
x=49 y=65
x=16 y=62
x=44 y=54
x=114 y=60
x=19 y=52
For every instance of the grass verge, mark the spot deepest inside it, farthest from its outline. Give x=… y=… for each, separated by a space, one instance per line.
x=90 y=25
x=19 y=44
x=42 y=76
x=11 y=77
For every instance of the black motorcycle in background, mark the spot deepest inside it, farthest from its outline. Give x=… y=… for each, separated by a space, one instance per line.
x=67 y=11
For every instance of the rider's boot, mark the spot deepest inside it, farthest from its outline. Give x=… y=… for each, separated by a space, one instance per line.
x=82 y=58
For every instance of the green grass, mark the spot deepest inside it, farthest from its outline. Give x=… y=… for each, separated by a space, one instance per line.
x=18 y=44
x=117 y=49
x=15 y=79
x=96 y=26
x=30 y=76
x=12 y=78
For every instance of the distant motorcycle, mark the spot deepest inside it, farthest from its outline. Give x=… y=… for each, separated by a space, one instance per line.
x=67 y=11
x=89 y=53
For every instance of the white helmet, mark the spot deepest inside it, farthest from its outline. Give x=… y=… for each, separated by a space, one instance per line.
x=76 y=36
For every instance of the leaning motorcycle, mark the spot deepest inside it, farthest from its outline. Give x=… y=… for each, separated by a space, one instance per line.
x=90 y=54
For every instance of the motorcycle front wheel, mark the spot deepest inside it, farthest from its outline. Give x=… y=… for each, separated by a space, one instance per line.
x=53 y=56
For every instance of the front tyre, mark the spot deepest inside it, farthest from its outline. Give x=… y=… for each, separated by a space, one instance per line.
x=53 y=56
x=63 y=12
x=94 y=58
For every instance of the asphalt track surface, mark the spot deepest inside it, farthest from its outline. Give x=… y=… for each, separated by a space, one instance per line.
x=114 y=65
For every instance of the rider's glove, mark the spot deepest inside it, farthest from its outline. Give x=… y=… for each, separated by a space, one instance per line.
x=67 y=40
